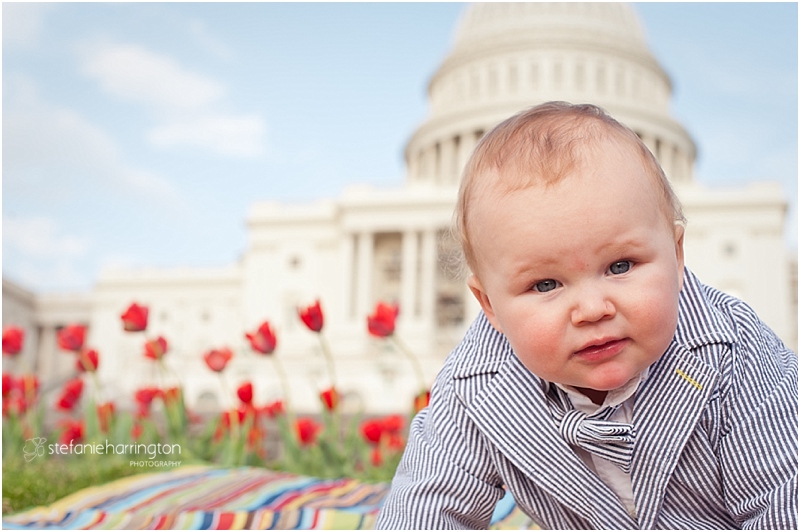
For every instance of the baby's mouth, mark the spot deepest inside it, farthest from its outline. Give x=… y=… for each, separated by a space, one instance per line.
x=602 y=348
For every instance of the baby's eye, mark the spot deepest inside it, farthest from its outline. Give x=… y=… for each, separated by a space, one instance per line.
x=620 y=266
x=546 y=285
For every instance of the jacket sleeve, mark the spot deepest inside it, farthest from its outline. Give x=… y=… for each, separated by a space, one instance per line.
x=446 y=479
x=758 y=452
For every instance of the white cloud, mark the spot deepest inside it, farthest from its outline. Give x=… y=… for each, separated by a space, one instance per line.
x=38 y=134
x=22 y=23
x=41 y=139
x=235 y=136
x=187 y=102
x=134 y=73
x=38 y=236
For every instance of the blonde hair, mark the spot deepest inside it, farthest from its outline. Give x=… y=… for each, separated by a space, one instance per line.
x=542 y=145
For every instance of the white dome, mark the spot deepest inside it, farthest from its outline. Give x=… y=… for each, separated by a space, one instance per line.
x=591 y=22
x=510 y=56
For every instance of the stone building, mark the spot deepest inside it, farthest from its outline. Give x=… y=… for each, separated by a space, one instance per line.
x=370 y=245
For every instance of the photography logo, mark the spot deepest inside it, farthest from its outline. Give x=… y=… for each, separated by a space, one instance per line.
x=34 y=447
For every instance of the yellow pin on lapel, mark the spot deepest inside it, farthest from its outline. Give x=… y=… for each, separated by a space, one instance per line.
x=688 y=379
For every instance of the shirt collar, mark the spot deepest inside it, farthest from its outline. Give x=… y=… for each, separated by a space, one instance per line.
x=613 y=398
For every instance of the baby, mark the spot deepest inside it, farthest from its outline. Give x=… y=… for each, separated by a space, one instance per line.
x=603 y=385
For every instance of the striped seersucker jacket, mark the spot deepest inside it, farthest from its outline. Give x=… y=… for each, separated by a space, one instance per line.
x=716 y=435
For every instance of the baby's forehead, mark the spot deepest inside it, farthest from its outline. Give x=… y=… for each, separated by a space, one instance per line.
x=495 y=187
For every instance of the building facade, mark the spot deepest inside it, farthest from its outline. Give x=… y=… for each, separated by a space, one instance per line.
x=393 y=245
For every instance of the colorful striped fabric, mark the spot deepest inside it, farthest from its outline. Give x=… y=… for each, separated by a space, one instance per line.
x=206 y=498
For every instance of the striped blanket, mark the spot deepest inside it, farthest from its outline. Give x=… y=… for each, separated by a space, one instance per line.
x=207 y=498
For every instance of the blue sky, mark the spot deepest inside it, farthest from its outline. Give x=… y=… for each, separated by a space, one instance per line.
x=139 y=134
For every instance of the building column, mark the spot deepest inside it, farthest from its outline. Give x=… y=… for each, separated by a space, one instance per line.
x=413 y=166
x=650 y=141
x=408 y=279
x=447 y=161
x=428 y=277
x=465 y=146
x=366 y=244
x=349 y=275
x=46 y=367
x=426 y=164
x=668 y=162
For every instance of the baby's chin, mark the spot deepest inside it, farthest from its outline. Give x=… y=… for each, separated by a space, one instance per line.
x=608 y=379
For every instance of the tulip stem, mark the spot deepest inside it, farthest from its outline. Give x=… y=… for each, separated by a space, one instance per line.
x=326 y=351
x=414 y=361
x=96 y=389
x=233 y=417
x=285 y=387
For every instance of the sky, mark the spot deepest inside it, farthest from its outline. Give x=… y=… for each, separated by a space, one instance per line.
x=139 y=135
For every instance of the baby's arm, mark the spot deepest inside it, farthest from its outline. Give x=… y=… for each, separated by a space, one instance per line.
x=446 y=479
x=759 y=454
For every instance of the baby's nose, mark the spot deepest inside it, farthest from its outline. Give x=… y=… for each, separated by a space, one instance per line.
x=592 y=305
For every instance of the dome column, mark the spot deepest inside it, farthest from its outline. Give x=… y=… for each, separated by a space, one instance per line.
x=413 y=166
x=668 y=155
x=448 y=161
x=465 y=146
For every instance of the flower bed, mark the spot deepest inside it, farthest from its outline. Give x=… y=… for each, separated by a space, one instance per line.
x=161 y=432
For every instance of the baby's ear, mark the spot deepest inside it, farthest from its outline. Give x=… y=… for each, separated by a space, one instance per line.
x=483 y=298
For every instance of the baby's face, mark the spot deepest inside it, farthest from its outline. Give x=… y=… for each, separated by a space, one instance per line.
x=582 y=277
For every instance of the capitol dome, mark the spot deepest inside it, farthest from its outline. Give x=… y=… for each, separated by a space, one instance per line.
x=510 y=56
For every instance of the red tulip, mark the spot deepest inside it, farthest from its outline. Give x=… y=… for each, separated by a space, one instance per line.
x=13 y=337
x=307 y=430
x=330 y=398
x=227 y=416
x=422 y=400
x=170 y=395
x=393 y=424
x=28 y=386
x=66 y=402
x=245 y=393
x=88 y=360
x=71 y=337
x=254 y=437
x=105 y=413
x=381 y=323
x=15 y=404
x=19 y=394
x=8 y=384
x=375 y=429
x=372 y=430
x=135 y=318
x=312 y=316
x=376 y=457
x=136 y=431
x=274 y=409
x=217 y=359
x=263 y=340
x=70 y=394
x=145 y=396
x=73 y=431
x=395 y=443
x=155 y=349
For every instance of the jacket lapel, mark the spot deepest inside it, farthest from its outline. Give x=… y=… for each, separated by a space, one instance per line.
x=527 y=436
x=666 y=412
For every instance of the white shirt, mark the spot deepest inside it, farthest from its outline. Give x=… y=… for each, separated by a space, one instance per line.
x=611 y=474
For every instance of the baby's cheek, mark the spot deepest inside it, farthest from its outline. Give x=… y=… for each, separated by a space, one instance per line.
x=657 y=316
x=541 y=349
